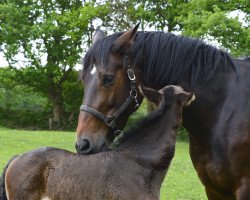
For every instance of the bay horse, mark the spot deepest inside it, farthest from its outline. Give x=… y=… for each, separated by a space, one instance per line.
x=218 y=123
x=133 y=170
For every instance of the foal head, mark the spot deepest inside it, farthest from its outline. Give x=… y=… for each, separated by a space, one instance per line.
x=111 y=91
x=170 y=94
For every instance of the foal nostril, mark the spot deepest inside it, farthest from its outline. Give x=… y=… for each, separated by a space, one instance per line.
x=84 y=147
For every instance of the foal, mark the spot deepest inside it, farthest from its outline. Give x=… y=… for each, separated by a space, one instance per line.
x=133 y=170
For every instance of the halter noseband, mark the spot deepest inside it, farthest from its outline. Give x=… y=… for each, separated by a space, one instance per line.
x=110 y=120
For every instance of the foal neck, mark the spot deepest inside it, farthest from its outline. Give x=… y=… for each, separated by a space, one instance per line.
x=153 y=143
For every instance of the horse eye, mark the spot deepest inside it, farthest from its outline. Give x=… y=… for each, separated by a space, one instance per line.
x=107 y=79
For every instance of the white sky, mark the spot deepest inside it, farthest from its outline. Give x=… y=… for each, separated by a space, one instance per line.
x=3 y=62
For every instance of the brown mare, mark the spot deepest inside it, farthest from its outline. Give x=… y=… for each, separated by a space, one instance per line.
x=134 y=170
x=218 y=122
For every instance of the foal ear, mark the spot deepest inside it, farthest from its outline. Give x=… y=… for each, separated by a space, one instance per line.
x=150 y=94
x=97 y=36
x=123 y=44
x=185 y=98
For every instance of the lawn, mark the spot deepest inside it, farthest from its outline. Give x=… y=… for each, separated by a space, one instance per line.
x=181 y=182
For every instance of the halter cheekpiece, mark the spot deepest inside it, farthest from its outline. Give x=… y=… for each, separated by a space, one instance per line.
x=110 y=120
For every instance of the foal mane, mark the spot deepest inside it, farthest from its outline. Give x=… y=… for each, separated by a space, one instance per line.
x=163 y=57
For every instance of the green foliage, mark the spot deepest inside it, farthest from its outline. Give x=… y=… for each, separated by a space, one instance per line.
x=22 y=106
x=52 y=27
x=50 y=34
x=182 y=134
x=141 y=112
x=46 y=29
x=7 y=77
x=207 y=19
x=72 y=99
x=160 y=14
x=211 y=18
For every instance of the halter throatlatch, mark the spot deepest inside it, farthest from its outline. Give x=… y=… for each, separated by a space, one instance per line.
x=110 y=120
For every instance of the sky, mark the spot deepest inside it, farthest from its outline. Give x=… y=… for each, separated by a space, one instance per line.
x=3 y=62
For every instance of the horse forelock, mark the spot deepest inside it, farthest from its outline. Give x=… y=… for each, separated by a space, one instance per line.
x=98 y=54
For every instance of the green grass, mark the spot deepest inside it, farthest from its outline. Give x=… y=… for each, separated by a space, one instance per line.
x=181 y=182
x=13 y=142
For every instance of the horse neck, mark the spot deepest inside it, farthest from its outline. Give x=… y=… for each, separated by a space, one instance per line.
x=202 y=115
x=154 y=146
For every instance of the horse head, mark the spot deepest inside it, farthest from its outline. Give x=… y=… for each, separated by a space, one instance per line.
x=110 y=91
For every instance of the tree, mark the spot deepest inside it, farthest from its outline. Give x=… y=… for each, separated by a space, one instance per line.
x=49 y=33
x=20 y=106
x=160 y=14
x=206 y=19
x=118 y=18
x=213 y=19
x=6 y=84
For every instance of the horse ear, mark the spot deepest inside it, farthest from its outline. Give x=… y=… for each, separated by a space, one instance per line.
x=97 y=36
x=123 y=44
x=185 y=98
x=150 y=94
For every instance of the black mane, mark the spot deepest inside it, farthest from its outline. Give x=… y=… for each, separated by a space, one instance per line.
x=162 y=57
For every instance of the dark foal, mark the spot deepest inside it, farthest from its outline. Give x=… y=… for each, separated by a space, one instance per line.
x=135 y=169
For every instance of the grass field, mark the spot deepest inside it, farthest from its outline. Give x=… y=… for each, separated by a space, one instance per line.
x=181 y=182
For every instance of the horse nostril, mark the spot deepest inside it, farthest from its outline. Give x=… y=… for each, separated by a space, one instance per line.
x=84 y=147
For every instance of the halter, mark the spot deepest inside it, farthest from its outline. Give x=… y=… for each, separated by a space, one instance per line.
x=110 y=120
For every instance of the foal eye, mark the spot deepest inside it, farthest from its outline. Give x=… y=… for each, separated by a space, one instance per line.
x=107 y=79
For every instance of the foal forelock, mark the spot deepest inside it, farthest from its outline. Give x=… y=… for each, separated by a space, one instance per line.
x=163 y=57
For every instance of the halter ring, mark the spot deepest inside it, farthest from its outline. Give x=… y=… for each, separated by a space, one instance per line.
x=131 y=74
x=110 y=121
x=133 y=94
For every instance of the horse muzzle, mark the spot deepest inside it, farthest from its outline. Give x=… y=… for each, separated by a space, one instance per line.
x=86 y=146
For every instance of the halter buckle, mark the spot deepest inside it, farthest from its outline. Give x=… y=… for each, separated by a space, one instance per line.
x=131 y=74
x=110 y=121
x=133 y=94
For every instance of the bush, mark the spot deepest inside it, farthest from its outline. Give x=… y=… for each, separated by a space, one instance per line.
x=21 y=106
x=182 y=134
x=24 y=118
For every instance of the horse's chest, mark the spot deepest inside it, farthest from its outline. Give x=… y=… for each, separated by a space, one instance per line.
x=213 y=171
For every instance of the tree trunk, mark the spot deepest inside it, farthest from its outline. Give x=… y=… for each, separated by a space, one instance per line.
x=58 y=112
